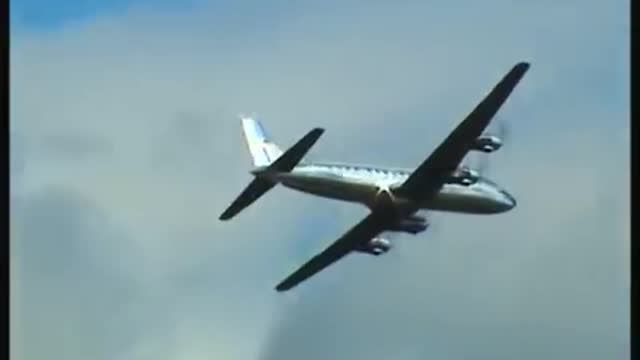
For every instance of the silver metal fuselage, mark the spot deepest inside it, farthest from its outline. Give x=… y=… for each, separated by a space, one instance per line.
x=361 y=184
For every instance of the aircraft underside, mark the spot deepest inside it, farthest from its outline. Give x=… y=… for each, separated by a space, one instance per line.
x=395 y=196
x=367 y=193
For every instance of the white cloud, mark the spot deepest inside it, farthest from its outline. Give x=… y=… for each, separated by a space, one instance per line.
x=127 y=149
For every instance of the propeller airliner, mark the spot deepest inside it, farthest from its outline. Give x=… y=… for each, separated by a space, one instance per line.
x=394 y=196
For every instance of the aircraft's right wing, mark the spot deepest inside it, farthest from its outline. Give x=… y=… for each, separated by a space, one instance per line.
x=364 y=231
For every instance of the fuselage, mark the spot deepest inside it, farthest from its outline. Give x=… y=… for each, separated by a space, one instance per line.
x=362 y=184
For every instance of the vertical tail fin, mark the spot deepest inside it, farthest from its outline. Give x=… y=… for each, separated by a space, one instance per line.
x=263 y=151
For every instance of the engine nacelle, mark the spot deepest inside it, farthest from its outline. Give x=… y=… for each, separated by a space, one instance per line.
x=376 y=246
x=463 y=176
x=487 y=144
x=413 y=225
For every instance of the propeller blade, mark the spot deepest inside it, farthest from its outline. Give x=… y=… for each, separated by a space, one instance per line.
x=483 y=164
x=504 y=131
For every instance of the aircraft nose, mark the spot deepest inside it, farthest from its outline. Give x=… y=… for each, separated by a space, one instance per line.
x=508 y=201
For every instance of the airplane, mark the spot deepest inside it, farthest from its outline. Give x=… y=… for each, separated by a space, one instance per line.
x=394 y=196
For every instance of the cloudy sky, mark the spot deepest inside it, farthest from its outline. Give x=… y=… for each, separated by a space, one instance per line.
x=125 y=148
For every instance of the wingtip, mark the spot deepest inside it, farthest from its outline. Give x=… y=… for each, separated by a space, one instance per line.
x=282 y=287
x=516 y=73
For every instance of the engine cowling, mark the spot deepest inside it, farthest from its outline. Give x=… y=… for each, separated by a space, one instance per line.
x=376 y=246
x=463 y=176
x=487 y=144
x=413 y=225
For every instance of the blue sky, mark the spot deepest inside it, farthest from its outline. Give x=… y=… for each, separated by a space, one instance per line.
x=125 y=149
x=39 y=14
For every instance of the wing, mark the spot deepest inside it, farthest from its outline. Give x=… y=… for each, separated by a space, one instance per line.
x=431 y=174
x=364 y=231
x=426 y=179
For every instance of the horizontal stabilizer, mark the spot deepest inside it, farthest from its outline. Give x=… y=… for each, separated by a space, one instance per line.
x=291 y=157
x=251 y=193
x=284 y=163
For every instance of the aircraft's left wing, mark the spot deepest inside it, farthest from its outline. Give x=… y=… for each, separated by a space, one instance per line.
x=428 y=177
x=364 y=231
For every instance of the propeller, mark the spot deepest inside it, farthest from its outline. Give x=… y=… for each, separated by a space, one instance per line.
x=503 y=131
x=482 y=160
